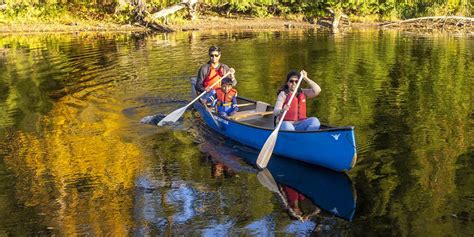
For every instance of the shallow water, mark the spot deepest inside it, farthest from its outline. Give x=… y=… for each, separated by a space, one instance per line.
x=75 y=159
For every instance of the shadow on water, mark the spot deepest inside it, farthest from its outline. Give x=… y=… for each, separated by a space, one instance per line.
x=293 y=182
x=150 y=102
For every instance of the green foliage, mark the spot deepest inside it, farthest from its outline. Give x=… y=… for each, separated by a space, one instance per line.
x=124 y=14
x=122 y=11
x=259 y=11
x=28 y=13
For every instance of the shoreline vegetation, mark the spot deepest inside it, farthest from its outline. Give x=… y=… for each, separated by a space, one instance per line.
x=27 y=16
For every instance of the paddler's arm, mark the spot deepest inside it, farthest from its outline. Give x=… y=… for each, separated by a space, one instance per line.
x=200 y=79
x=315 y=88
x=231 y=75
x=235 y=107
x=277 y=110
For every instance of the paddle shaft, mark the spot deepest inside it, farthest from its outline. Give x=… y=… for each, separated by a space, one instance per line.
x=210 y=114
x=175 y=115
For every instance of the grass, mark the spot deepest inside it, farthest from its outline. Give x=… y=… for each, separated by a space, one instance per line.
x=54 y=18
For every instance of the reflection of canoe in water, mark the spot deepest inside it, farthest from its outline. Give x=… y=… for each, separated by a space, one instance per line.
x=330 y=147
x=330 y=190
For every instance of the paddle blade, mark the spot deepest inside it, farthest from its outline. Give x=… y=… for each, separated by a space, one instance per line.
x=267 y=150
x=173 y=116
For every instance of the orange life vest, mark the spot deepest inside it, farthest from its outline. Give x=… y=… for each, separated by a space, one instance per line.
x=213 y=76
x=297 y=109
x=225 y=98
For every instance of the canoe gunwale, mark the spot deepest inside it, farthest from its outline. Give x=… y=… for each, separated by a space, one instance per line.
x=332 y=129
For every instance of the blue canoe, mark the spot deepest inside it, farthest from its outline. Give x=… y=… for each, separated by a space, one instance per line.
x=330 y=147
x=330 y=190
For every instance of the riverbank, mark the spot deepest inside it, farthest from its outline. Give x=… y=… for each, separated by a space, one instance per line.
x=85 y=26
x=213 y=22
x=203 y=23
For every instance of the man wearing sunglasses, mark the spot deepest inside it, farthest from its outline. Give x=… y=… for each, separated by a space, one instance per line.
x=295 y=118
x=212 y=71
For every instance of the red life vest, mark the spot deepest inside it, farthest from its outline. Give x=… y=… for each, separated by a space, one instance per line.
x=213 y=76
x=225 y=98
x=297 y=109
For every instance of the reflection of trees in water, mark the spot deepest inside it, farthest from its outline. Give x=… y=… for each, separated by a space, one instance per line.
x=419 y=131
x=408 y=97
x=75 y=169
x=43 y=68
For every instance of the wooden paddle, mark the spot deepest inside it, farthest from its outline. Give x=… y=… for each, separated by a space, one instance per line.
x=267 y=149
x=175 y=115
x=212 y=116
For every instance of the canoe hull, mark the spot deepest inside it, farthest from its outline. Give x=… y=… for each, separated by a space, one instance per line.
x=331 y=148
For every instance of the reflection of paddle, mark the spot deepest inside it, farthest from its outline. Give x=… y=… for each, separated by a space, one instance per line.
x=267 y=180
x=267 y=149
x=175 y=115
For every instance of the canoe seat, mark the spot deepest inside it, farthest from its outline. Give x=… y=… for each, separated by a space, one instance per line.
x=249 y=115
x=260 y=111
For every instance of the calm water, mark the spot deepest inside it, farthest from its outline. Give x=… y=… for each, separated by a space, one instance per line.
x=74 y=158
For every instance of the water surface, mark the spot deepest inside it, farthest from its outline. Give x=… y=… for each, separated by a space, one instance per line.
x=74 y=158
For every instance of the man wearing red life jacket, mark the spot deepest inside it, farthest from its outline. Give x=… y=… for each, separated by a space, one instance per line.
x=295 y=118
x=212 y=71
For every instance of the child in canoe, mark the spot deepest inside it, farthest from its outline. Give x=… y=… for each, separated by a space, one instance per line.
x=224 y=99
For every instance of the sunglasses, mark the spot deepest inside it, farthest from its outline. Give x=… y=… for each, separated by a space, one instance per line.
x=214 y=55
x=293 y=81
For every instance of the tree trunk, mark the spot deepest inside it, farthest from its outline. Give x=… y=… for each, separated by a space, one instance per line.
x=140 y=10
x=337 y=13
x=192 y=11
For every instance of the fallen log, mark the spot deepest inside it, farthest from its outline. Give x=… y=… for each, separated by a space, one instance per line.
x=457 y=24
x=167 y=11
x=191 y=4
x=439 y=18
